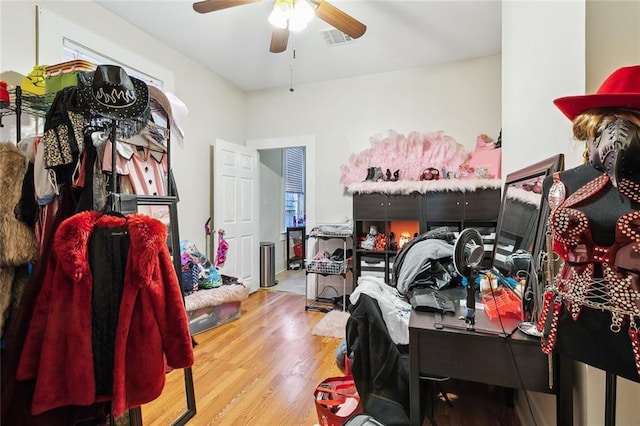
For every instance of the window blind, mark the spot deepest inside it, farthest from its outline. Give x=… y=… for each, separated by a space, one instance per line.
x=294 y=170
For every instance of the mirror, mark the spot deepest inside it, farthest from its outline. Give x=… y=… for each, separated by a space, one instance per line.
x=520 y=233
x=165 y=210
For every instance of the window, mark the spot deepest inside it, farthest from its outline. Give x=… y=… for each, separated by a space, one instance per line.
x=72 y=50
x=293 y=165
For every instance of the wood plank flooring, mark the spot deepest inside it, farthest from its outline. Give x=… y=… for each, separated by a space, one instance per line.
x=262 y=369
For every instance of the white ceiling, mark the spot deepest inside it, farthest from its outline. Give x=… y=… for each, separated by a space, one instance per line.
x=234 y=42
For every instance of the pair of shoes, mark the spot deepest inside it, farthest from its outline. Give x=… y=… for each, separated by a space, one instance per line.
x=389 y=178
x=430 y=173
x=339 y=254
x=374 y=174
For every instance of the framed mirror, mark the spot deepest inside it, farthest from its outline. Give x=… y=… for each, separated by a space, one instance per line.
x=168 y=408
x=520 y=233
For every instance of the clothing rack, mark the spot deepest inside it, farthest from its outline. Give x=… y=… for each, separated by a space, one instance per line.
x=134 y=414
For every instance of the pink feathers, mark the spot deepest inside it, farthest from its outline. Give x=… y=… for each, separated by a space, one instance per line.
x=409 y=154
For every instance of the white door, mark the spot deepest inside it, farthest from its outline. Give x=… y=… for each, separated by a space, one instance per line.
x=236 y=209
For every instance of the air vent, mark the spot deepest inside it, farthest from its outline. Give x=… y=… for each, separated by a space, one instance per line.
x=335 y=37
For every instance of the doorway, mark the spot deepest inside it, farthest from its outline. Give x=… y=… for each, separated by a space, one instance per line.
x=272 y=206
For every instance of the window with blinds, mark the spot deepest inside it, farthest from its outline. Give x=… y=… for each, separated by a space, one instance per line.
x=293 y=165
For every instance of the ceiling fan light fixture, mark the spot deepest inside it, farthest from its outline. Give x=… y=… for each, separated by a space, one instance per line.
x=292 y=14
x=300 y=16
x=279 y=16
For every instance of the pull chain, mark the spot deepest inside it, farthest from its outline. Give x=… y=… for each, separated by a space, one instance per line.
x=293 y=57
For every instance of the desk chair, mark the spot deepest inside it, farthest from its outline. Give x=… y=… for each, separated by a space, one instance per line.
x=434 y=382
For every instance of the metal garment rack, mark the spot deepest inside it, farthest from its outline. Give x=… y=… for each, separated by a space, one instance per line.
x=135 y=414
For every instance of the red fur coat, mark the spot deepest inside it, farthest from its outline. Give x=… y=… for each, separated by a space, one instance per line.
x=152 y=322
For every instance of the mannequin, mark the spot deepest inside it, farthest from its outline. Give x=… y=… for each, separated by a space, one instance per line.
x=591 y=313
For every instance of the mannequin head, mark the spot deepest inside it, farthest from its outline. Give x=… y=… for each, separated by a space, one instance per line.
x=612 y=141
x=608 y=122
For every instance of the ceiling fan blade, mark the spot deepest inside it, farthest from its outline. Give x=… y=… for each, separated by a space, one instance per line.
x=207 y=6
x=338 y=19
x=279 y=40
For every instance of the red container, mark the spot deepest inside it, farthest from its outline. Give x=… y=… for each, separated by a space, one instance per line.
x=297 y=250
x=502 y=302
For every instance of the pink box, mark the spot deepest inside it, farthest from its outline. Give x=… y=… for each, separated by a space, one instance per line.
x=489 y=160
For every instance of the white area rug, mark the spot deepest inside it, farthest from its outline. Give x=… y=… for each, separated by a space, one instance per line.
x=332 y=325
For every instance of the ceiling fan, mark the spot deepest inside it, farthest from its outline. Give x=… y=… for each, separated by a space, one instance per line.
x=282 y=19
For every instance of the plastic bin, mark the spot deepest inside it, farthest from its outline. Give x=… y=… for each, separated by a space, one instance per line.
x=267 y=264
x=502 y=302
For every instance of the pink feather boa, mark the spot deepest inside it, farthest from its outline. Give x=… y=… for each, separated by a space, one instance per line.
x=409 y=154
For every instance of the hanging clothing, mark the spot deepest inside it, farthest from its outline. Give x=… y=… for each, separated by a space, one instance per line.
x=223 y=247
x=145 y=168
x=17 y=240
x=591 y=312
x=63 y=350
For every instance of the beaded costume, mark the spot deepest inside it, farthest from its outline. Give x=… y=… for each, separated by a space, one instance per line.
x=598 y=277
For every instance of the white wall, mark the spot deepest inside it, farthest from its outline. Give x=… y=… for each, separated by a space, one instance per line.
x=271 y=199
x=541 y=62
x=613 y=41
x=463 y=99
x=216 y=107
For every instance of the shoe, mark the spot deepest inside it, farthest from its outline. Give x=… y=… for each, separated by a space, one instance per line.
x=369 y=173
x=337 y=255
x=377 y=174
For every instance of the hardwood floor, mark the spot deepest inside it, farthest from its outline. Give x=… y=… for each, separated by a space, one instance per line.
x=262 y=369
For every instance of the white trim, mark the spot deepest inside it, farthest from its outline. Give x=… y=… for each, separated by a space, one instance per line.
x=309 y=143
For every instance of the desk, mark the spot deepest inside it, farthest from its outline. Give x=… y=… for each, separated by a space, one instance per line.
x=484 y=357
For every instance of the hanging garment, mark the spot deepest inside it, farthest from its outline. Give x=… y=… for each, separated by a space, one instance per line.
x=17 y=395
x=591 y=312
x=144 y=167
x=223 y=247
x=62 y=353
x=17 y=240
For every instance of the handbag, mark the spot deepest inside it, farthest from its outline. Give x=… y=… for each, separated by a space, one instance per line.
x=336 y=400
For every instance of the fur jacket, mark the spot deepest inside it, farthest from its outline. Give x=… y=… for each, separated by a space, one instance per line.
x=17 y=240
x=151 y=321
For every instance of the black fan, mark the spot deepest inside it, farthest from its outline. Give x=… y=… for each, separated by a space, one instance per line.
x=468 y=252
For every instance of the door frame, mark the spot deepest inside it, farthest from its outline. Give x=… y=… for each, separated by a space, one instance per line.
x=309 y=143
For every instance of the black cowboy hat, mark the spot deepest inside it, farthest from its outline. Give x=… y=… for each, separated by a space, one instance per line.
x=109 y=92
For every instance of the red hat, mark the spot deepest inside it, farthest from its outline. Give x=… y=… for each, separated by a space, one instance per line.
x=620 y=90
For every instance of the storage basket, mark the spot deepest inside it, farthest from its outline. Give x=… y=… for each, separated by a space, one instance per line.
x=324 y=266
x=502 y=302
